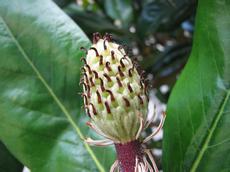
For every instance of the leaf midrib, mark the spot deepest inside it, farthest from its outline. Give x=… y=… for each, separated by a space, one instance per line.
x=210 y=134
x=61 y=106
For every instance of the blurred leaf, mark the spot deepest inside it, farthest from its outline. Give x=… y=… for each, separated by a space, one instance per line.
x=42 y=123
x=119 y=10
x=96 y=21
x=196 y=132
x=163 y=15
x=7 y=162
x=172 y=55
x=169 y=64
x=63 y=3
x=90 y=21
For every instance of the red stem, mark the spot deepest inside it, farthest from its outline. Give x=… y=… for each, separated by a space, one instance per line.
x=127 y=153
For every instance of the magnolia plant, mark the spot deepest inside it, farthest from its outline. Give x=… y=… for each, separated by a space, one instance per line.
x=116 y=100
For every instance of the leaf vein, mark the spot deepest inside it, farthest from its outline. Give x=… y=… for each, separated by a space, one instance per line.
x=61 y=106
x=210 y=134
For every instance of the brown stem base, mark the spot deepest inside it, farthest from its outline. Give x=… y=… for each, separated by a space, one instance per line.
x=127 y=154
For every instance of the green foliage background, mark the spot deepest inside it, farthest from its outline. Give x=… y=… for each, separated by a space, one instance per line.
x=41 y=122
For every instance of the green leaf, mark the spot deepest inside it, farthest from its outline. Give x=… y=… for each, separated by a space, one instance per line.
x=196 y=132
x=119 y=10
x=164 y=15
x=7 y=162
x=42 y=123
x=63 y=3
x=90 y=21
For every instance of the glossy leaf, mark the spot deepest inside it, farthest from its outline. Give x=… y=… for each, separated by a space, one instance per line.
x=63 y=3
x=163 y=15
x=90 y=21
x=168 y=64
x=196 y=132
x=119 y=10
x=7 y=162
x=41 y=121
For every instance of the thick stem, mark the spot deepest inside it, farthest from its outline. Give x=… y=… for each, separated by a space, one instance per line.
x=127 y=154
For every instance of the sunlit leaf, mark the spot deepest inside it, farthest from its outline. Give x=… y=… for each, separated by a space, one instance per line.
x=42 y=123
x=196 y=132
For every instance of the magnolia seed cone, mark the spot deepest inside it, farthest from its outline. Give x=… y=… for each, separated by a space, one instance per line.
x=113 y=90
